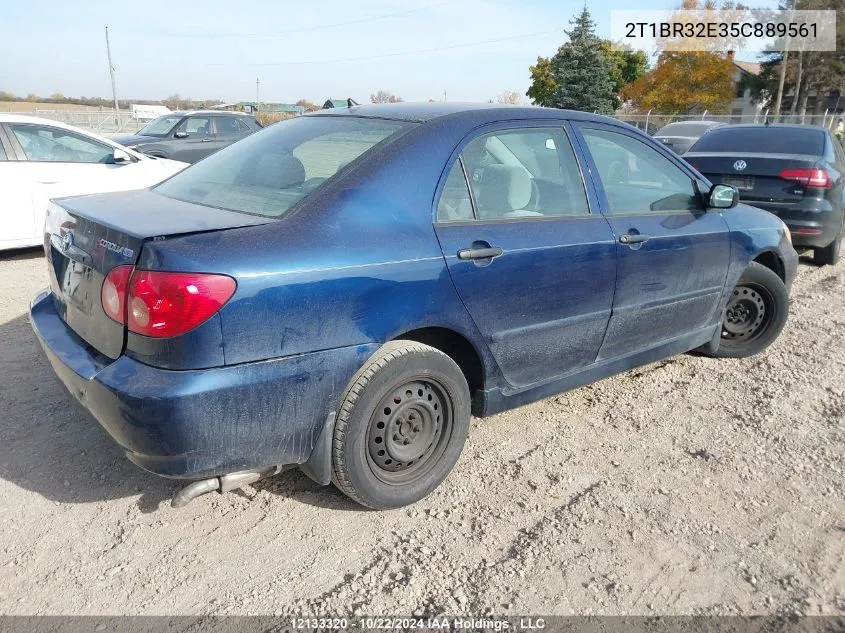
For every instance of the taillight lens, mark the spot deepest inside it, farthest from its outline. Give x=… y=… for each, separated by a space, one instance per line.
x=113 y=293
x=817 y=178
x=164 y=304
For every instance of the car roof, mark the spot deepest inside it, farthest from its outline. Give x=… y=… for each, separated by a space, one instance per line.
x=218 y=112
x=480 y=112
x=779 y=126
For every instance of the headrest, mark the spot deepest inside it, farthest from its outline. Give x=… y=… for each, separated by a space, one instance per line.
x=503 y=189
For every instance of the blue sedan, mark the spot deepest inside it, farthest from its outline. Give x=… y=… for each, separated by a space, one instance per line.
x=342 y=291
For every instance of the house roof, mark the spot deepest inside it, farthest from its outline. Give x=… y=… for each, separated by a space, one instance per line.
x=752 y=68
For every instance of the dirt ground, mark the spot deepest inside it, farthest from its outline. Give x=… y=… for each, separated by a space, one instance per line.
x=689 y=486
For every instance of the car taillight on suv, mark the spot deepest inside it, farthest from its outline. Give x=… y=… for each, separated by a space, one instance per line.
x=163 y=304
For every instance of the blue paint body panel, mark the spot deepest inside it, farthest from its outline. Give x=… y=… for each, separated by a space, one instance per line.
x=361 y=261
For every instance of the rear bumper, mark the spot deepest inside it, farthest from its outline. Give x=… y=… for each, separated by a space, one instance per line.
x=813 y=224
x=200 y=423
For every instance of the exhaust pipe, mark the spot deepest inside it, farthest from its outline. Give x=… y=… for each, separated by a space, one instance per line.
x=224 y=483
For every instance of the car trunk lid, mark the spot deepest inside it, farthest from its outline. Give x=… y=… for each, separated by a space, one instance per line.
x=86 y=237
x=757 y=176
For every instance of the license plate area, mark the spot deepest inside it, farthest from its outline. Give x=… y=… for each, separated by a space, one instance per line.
x=743 y=183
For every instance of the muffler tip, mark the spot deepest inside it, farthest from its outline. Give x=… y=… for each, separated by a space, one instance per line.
x=194 y=490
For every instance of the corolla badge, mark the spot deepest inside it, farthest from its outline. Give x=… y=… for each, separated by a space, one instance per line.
x=117 y=248
x=67 y=241
x=740 y=165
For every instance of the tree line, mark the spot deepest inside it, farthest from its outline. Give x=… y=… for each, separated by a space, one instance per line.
x=592 y=74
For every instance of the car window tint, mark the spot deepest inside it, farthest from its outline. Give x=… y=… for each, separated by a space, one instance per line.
x=772 y=139
x=227 y=125
x=530 y=172
x=637 y=178
x=51 y=144
x=195 y=126
x=455 y=204
x=267 y=173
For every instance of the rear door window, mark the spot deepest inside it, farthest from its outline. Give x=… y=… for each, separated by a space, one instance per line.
x=196 y=126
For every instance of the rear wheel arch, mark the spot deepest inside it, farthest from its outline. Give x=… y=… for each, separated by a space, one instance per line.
x=458 y=347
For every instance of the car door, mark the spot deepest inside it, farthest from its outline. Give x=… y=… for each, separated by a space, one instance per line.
x=199 y=142
x=227 y=130
x=531 y=263
x=16 y=211
x=53 y=162
x=673 y=254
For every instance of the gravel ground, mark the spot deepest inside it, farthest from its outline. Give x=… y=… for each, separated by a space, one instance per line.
x=688 y=486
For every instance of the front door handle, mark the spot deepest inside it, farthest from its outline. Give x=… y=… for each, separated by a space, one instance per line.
x=635 y=238
x=479 y=253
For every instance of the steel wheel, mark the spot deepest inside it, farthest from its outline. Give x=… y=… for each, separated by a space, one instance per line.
x=409 y=431
x=748 y=314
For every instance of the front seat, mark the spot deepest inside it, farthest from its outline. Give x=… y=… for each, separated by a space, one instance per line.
x=505 y=191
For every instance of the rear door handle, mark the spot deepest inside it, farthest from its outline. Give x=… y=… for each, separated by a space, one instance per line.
x=479 y=253
x=636 y=238
x=207 y=140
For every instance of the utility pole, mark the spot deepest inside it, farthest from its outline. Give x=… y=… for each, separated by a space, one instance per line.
x=782 y=78
x=444 y=95
x=257 y=99
x=113 y=87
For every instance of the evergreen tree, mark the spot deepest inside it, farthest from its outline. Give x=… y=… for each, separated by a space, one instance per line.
x=583 y=74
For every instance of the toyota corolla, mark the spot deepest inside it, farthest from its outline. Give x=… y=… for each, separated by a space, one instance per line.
x=343 y=290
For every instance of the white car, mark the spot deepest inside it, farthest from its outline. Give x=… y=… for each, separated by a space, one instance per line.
x=42 y=159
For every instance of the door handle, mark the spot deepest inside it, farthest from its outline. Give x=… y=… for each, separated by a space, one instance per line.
x=636 y=238
x=207 y=140
x=479 y=253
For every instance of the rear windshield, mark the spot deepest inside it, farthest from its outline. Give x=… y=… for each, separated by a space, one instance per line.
x=270 y=171
x=762 y=140
x=684 y=129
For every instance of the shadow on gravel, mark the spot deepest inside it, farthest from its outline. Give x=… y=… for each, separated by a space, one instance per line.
x=50 y=445
x=22 y=254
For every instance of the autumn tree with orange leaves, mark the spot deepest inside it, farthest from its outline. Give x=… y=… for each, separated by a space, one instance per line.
x=688 y=80
x=684 y=82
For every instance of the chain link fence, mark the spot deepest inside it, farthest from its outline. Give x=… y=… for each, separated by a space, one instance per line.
x=651 y=123
x=104 y=122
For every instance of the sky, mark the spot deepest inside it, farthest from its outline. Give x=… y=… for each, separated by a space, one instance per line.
x=472 y=50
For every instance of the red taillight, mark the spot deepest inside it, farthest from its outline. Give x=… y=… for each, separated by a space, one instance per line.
x=163 y=304
x=817 y=178
x=168 y=304
x=113 y=293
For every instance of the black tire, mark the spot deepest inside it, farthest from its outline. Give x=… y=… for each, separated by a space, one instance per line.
x=418 y=394
x=829 y=255
x=755 y=313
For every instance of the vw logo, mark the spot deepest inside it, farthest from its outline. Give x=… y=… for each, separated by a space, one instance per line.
x=740 y=165
x=67 y=241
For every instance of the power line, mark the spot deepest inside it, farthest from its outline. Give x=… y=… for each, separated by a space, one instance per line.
x=396 y=54
x=307 y=29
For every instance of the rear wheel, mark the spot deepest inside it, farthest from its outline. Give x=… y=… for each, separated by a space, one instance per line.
x=829 y=255
x=401 y=426
x=755 y=313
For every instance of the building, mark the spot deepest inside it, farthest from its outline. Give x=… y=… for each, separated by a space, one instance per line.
x=743 y=109
x=339 y=103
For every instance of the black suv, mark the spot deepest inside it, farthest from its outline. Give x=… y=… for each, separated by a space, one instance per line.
x=190 y=136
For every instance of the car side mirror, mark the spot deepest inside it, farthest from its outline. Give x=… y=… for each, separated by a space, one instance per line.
x=120 y=157
x=723 y=197
x=180 y=135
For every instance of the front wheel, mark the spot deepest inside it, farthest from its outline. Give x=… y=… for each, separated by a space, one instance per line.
x=401 y=426
x=755 y=313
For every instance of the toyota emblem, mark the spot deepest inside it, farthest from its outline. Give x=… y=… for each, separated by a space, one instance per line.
x=740 y=165
x=67 y=241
